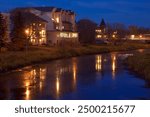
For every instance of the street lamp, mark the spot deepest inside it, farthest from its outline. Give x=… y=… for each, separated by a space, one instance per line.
x=27 y=32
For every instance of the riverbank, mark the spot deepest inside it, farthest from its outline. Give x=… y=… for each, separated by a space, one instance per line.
x=15 y=59
x=140 y=64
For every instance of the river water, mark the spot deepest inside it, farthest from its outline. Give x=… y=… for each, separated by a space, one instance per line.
x=94 y=77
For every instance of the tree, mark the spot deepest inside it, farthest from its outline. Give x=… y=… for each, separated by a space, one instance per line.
x=3 y=31
x=18 y=35
x=133 y=29
x=86 y=30
x=119 y=28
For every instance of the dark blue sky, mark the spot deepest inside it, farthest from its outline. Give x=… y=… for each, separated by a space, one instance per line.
x=126 y=11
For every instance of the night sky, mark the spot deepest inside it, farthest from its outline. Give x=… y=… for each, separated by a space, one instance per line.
x=125 y=11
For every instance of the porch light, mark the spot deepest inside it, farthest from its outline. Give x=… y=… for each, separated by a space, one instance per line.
x=132 y=36
x=113 y=36
x=140 y=36
x=27 y=32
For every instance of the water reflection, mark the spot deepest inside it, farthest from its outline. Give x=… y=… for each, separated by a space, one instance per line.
x=113 y=65
x=27 y=94
x=102 y=62
x=74 y=70
x=34 y=79
x=77 y=78
x=98 y=65
x=57 y=87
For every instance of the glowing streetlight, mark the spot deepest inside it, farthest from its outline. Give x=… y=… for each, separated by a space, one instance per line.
x=27 y=32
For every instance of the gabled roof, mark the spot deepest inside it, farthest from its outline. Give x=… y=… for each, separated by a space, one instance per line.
x=30 y=17
x=102 y=24
x=44 y=9
x=58 y=10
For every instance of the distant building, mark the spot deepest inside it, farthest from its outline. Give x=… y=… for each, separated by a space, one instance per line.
x=100 y=31
x=50 y=25
x=139 y=37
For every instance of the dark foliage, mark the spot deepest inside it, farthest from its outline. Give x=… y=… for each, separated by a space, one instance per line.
x=18 y=35
x=3 y=31
x=86 y=30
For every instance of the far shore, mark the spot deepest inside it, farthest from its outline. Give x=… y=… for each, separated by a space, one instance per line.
x=11 y=60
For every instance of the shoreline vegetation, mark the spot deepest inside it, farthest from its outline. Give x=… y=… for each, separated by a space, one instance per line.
x=140 y=64
x=11 y=60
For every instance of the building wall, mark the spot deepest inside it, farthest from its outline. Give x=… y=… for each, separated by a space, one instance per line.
x=60 y=37
x=36 y=33
x=55 y=26
x=46 y=16
x=100 y=33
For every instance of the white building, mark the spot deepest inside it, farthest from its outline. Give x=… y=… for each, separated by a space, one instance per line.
x=60 y=26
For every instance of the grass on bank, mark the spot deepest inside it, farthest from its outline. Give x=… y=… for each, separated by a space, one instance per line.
x=14 y=59
x=140 y=64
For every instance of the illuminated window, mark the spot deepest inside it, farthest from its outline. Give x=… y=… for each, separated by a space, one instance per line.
x=64 y=35
x=113 y=36
x=53 y=19
x=57 y=27
x=99 y=36
x=132 y=36
x=68 y=35
x=74 y=35
x=57 y=20
x=99 y=31
x=141 y=36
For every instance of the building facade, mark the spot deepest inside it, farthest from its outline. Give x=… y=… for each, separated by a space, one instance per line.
x=60 y=27
x=49 y=25
x=101 y=32
x=139 y=37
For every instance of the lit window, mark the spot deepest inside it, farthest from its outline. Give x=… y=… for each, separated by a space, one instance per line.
x=68 y=35
x=141 y=36
x=99 y=31
x=74 y=35
x=53 y=19
x=64 y=35
x=99 y=36
x=113 y=36
x=57 y=27
x=57 y=20
x=132 y=36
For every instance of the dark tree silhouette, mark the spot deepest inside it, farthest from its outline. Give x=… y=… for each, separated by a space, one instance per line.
x=86 y=30
x=3 y=31
x=18 y=35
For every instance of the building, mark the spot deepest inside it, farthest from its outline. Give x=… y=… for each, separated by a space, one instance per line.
x=141 y=37
x=55 y=25
x=100 y=31
x=35 y=28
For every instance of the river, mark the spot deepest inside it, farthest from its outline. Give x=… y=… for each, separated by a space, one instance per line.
x=93 y=77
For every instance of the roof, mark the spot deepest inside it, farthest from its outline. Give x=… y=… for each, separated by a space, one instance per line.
x=102 y=24
x=58 y=10
x=44 y=9
x=50 y=9
x=30 y=17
